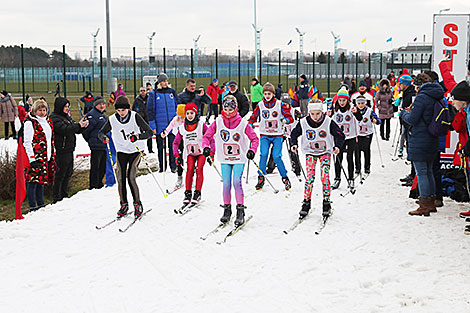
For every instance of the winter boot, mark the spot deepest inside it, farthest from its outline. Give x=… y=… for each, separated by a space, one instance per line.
x=187 y=196
x=286 y=182
x=123 y=210
x=227 y=213
x=424 y=207
x=260 y=183
x=138 y=209
x=467 y=230
x=438 y=203
x=196 y=196
x=432 y=206
x=464 y=214
x=336 y=183
x=351 y=183
x=305 y=209
x=406 y=178
x=240 y=220
x=179 y=181
x=326 y=208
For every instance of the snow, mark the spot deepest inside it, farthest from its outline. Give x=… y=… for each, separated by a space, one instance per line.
x=371 y=257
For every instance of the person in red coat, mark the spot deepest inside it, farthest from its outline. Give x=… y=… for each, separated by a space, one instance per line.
x=213 y=91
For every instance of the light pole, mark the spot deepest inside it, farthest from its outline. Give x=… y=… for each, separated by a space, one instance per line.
x=196 y=49
x=150 y=44
x=95 y=58
x=109 y=69
x=301 y=45
x=257 y=33
x=444 y=10
x=336 y=40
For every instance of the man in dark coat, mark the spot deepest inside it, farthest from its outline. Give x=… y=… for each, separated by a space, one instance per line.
x=88 y=102
x=302 y=94
x=242 y=100
x=140 y=106
x=278 y=92
x=65 y=129
x=189 y=93
x=96 y=119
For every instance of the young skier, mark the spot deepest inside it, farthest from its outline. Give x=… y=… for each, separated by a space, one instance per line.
x=176 y=122
x=296 y=115
x=191 y=133
x=128 y=130
x=232 y=141
x=321 y=137
x=273 y=115
x=366 y=131
x=347 y=117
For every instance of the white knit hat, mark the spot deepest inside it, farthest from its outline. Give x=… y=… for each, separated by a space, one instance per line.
x=315 y=106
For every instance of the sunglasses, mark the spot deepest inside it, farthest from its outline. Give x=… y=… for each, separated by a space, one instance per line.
x=142 y=90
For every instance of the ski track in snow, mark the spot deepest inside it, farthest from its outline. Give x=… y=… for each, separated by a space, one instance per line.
x=371 y=257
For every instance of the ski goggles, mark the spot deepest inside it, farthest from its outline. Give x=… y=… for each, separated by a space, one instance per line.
x=230 y=103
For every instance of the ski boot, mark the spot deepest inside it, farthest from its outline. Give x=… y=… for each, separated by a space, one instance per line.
x=467 y=230
x=336 y=183
x=227 y=213
x=400 y=153
x=138 y=209
x=123 y=210
x=406 y=178
x=306 y=204
x=187 y=196
x=286 y=182
x=196 y=196
x=351 y=184
x=326 y=209
x=240 y=220
x=179 y=181
x=260 y=183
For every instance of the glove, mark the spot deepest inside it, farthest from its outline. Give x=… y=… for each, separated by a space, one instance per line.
x=461 y=152
x=105 y=139
x=179 y=160
x=133 y=138
x=35 y=164
x=206 y=152
x=250 y=155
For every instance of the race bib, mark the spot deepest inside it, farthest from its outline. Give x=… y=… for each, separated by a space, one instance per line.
x=231 y=149
x=318 y=146
x=271 y=126
x=193 y=149
x=363 y=129
x=345 y=129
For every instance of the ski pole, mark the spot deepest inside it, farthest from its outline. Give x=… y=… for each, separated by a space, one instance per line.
x=164 y=160
x=396 y=147
x=275 y=190
x=395 y=135
x=211 y=163
x=165 y=195
x=300 y=165
x=378 y=146
x=247 y=171
x=112 y=165
x=80 y=108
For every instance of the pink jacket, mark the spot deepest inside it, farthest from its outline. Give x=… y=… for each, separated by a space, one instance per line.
x=174 y=124
x=179 y=138
x=230 y=124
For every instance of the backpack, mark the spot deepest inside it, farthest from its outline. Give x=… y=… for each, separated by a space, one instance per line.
x=441 y=120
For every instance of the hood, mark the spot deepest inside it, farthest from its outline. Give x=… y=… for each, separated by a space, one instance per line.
x=279 y=85
x=433 y=90
x=232 y=122
x=384 y=81
x=6 y=98
x=59 y=105
x=88 y=94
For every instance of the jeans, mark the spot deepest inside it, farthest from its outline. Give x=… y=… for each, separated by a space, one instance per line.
x=426 y=183
x=265 y=143
x=35 y=192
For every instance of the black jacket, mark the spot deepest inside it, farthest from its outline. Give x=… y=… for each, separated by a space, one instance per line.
x=243 y=103
x=140 y=106
x=186 y=96
x=335 y=131
x=407 y=97
x=302 y=93
x=278 y=92
x=97 y=120
x=64 y=130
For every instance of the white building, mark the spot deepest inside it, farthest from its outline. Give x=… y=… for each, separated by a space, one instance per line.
x=413 y=53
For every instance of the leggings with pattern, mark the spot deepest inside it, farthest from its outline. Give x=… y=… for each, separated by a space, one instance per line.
x=232 y=172
x=325 y=161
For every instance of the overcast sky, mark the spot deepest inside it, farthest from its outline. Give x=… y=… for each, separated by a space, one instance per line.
x=222 y=24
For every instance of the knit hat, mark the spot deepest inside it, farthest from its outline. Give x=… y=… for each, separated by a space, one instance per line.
x=303 y=77
x=180 y=110
x=190 y=107
x=122 y=103
x=315 y=106
x=342 y=93
x=232 y=83
x=268 y=87
x=161 y=77
x=5 y=93
x=285 y=98
x=98 y=100
x=405 y=80
x=215 y=80
x=461 y=91
x=362 y=83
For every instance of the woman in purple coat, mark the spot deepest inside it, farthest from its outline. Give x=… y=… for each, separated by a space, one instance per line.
x=384 y=101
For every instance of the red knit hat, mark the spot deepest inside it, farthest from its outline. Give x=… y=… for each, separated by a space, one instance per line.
x=190 y=107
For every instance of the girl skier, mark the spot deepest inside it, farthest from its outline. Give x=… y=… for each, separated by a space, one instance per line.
x=321 y=137
x=347 y=117
x=273 y=114
x=232 y=141
x=191 y=133
x=366 y=131
x=176 y=122
x=128 y=130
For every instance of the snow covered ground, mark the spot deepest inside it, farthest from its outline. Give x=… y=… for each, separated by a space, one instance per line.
x=371 y=257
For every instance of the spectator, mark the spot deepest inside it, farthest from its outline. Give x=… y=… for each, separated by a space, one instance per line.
x=161 y=108
x=347 y=81
x=391 y=78
x=213 y=91
x=57 y=89
x=278 y=92
x=149 y=87
x=64 y=136
x=242 y=100
x=119 y=92
x=96 y=119
x=368 y=82
x=353 y=89
x=189 y=92
x=140 y=106
x=8 y=113
x=384 y=100
x=363 y=92
x=408 y=92
x=201 y=100
x=302 y=94
x=39 y=147
x=88 y=102
x=256 y=92
x=28 y=104
x=422 y=146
